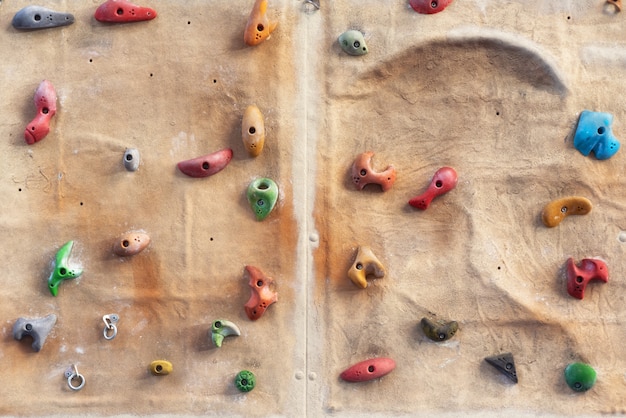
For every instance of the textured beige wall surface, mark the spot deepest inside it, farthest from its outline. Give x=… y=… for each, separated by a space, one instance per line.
x=492 y=88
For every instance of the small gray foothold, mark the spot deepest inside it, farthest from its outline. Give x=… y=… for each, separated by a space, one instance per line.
x=131 y=159
x=353 y=42
x=38 y=17
x=38 y=328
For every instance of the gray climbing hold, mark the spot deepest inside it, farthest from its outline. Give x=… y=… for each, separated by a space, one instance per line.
x=353 y=42
x=38 y=328
x=131 y=159
x=38 y=17
x=505 y=364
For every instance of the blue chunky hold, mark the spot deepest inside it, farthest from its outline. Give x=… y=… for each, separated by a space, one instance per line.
x=594 y=133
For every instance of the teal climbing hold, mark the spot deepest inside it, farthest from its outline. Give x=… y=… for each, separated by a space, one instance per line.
x=594 y=133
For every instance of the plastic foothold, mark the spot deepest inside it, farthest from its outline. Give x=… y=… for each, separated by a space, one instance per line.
x=594 y=133
x=245 y=381
x=37 y=17
x=62 y=269
x=365 y=264
x=352 y=42
x=221 y=329
x=206 y=165
x=363 y=174
x=122 y=11
x=368 y=369
x=557 y=210
x=131 y=159
x=617 y=4
x=429 y=7
x=580 y=376
x=439 y=330
x=37 y=328
x=443 y=181
x=253 y=131
x=579 y=275
x=262 y=195
x=261 y=295
x=131 y=243
x=161 y=367
x=505 y=364
x=46 y=104
x=259 y=27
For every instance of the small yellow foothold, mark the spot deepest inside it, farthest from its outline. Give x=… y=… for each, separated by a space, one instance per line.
x=253 y=131
x=559 y=209
x=365 y=264
x=160 y=367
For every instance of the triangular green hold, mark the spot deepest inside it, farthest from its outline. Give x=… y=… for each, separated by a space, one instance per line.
x=505 y=363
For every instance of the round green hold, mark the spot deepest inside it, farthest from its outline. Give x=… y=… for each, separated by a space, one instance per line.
x=262 y=195
x=245 y=381
x=580 y=376
x=353 y=42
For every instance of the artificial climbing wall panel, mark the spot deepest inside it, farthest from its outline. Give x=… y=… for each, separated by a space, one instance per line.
x=491 y=88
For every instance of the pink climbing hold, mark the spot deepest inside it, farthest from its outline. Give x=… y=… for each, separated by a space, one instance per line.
x=368 y=369
x=122 y=11
x=46 y=103
x=578 y=276
x=206 y=165
x=443 y=181
x=429 y=7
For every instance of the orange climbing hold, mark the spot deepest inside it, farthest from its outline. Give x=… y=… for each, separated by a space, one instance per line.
x=258 y=28
x=261 y=295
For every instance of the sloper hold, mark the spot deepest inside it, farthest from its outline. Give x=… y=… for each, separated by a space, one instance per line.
x=439 y=330
x=505 y=364
x=206 y=165
x=557 y=210
x=259 y=27
x=594 y=133
x=429 y=6
x=131 y=243
x=580 y=377
x=352 y=42
x=578 y=276
x=261 y=293
x=122 y=11
x=38 y=17
x=37 y=328
x=46 y=104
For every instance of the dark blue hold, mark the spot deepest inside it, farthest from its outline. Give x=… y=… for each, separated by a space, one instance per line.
x=38 y=17
x=594 y=133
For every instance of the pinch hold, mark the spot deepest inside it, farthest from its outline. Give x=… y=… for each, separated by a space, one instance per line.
x=62 y=269
x=253 y=131
x=443 y=181
x=429 y=6
x=37 y=328
x=352 y=42
x=259 y=27
x=594 y=133
x=46 y=104
x=122 y=11
x=206 y=165
x=557 y=210
x=368 y=369
x=439 y=330
x=365 y=264
x=363 y=174
x=261 y=295
x=262 y=195
x=131 y=159
x=131 y=243
x=221 y=329
x=578 y=276
x=38 y=17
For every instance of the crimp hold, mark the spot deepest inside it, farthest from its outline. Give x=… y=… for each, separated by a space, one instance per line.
x=38 y=17
x=206 y=165
x=221 y=329
x=37 y=328
x=368 y=369
x=46 y=104
x=122 y=11
x=259 y=27
x=443 y=181
x=261 y=293
x=365 y=264
x=62 y=269
x=505 y=364
x=557 y=210
x=439 y=330
x=363 y=173
x=594 y=133
x=578 y=276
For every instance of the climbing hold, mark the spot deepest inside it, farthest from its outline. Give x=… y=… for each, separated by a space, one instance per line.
x=261 y=296
x=161 y=367
x=368 y=370
x=352 y=42
x=429 y=7
x=579 y=275
x=62 y=269
x=439 y=330
x=594 y=133
x=617 y=4
x=580 y=376
x=557 y=210
x=222 y=328
x=253 y=130
x=365 y=264
x=37 y=328
x=206 y=165
x=122 y=11
x=262 y=195
x=131 y=243
x=443 y=181
x=363 y=174
x=505 y=364
x=258 y=28
x=46 y=104
x=131 y=159
x=245 y=381
x=38 y=17
x=315 y=3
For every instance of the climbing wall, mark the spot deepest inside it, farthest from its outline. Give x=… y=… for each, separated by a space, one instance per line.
x=493 y=89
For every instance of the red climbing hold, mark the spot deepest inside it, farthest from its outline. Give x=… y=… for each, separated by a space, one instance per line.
x=121 y=11
x=578 y=276
x=368 y=370
x=443 y=181
x=46 y=103
x=206 y=165
x=429 y=6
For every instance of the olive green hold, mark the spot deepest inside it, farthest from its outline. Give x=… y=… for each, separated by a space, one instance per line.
x=580 y=376
x=353 y=42
x=245 y=381
x=262 y=195
x=439 y=330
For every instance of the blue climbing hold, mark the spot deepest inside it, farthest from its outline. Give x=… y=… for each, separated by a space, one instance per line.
x=594 y=133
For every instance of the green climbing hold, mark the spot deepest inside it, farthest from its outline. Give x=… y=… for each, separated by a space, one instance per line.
x=62 y=269
x=353 y=42
x=245 y=381
x=580 y=376
x=262 y=195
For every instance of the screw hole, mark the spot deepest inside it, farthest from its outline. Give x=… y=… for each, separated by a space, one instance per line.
x=363 y=172
x=359 y=266
x=260 y=27
x=45 y=110
x=601 y=130
x=438 y=184
x=564 y=209
x=125 y=243
x=218 y=324
x=205 y=165
x=37 y=17
x=62 y=271
x=579 y=279
x=129 y=157
x=433 y=4
x=159 y=368
x=259 y=283
x=371 y=369
x=29 y=327
x=252 y=130
x=356 y=44
x=508 y=366
x=120 y=11
x=264 y=186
